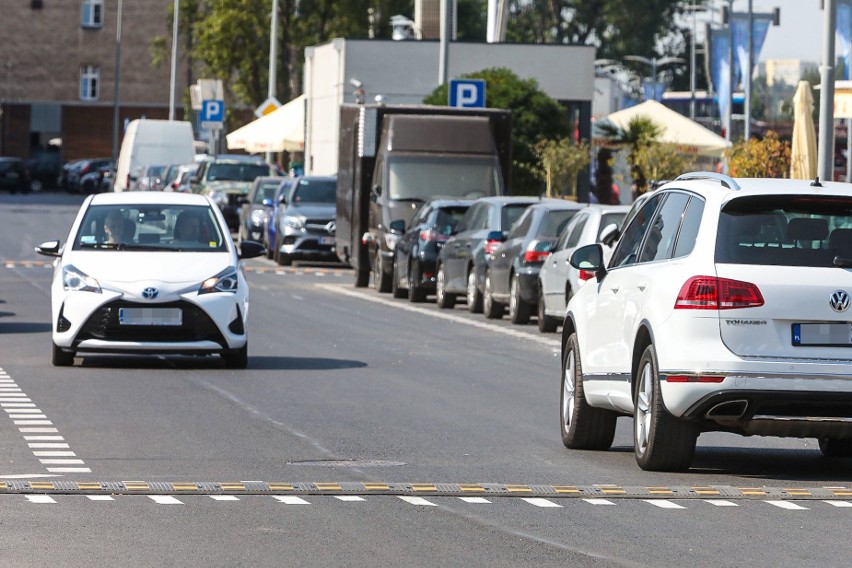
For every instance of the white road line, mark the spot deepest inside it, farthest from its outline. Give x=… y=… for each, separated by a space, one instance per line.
x=663 y=504
x=34 y=430
x=721 y=503
x=164 y=500
x=224 y=497
x=840 y=504
x=23 y=410
x=45 y=445
x=42 y=499
x=54 y=454
x=598 y=501
x=28 y=416
x=44 y=438
x=13 y=396
x=17 y=404
x=474 y=499
x=787 y=505
x=417 y=501
x=62 y=462
x=100 y=498
x=539 y=502
x=69 y=470
x=291 y=500
x=349 y=498
x=492 y=328
x=33 y=423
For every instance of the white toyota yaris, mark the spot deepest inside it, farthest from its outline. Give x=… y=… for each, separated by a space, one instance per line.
x=149 y=272
x=725 y=306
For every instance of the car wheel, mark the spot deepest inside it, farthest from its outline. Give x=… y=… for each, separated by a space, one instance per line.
x=381 y=281
x=416 y=294
x=546 y=324
x=519 y=310
x=62 y=358
x=583 y=427
x=443 y=298
x=661 y=442
x=835 y=448
x=474 y=296
x=237 y=359
x=491 y=308
x=396 y=291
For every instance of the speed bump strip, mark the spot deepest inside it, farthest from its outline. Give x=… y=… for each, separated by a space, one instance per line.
x=61 y=487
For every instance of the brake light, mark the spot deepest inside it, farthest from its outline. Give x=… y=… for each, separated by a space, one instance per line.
x=432 y=235
x=536 y=255
x=711 y=293
x=491 y=246
x=586 y=275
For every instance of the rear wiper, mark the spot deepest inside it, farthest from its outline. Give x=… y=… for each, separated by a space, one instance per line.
x=843 y=261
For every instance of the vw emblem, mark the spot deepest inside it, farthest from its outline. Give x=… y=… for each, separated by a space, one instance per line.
x=331 y=227
x=151 y=293
x=839 y=301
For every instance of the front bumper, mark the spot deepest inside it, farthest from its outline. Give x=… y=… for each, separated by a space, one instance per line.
x=307 y=244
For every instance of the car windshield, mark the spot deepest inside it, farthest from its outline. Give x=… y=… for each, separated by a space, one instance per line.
x=785 y=231
x=554 y=222
x=150 y=227
x=315 y=191
x=415 y=177
x=266 y=191
x=236 y=171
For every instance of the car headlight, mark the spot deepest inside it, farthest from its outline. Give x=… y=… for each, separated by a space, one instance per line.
x=391 y=239
x=79 y=281
x=219 y=197
x=297 y=223
x=225 y=281
x=258 y=217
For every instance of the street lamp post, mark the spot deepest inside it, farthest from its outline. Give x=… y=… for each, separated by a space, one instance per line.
x=117 y=90
x=653 y=62
x=173 y=75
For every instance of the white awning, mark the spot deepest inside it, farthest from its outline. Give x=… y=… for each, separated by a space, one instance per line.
x=281 y=130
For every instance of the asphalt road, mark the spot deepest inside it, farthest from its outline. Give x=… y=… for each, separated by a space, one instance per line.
x=366 y=431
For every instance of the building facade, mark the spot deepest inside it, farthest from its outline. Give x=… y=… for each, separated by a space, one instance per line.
x=58 y=74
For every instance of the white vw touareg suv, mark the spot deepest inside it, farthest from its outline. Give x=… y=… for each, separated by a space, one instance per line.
x=725 y=306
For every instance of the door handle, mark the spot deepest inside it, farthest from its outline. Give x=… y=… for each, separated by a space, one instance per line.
x=642 y=286
x=614 y=289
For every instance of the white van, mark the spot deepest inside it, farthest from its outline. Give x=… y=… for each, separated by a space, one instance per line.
x=152 y=142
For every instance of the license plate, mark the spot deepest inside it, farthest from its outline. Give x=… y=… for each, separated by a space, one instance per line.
x=326 y=240
x=150 y=316
x=824 y=334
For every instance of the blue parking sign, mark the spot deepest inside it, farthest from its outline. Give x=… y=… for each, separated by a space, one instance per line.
x=468 y=93
x=212 y=110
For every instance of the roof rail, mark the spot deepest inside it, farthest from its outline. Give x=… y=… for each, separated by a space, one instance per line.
x=726 y=181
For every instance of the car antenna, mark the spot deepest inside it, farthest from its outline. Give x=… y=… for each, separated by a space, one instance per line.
x=816 y=182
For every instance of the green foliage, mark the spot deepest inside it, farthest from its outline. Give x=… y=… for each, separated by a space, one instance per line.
x=641 y=131
x=561 y=163
x=767 y=158
x=660 y=162
x=535 y=116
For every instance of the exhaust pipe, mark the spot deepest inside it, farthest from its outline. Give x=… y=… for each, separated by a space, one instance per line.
x=728 y=409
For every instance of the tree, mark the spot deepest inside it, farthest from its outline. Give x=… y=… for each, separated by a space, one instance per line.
x=640 y=132
x=535 y=116
x=561 y=162
x=661 y=162
x=767 y=158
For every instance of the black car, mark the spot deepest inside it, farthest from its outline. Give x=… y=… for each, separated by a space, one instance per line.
x=416 y=252
x=256 y=207
x=464 y=257
x=75 y=171
x=14 y=176
x=305 y=221
x=512 y=276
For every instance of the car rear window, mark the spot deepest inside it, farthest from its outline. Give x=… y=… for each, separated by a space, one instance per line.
x=554 y=222
x=799 y=230
x=512 y=213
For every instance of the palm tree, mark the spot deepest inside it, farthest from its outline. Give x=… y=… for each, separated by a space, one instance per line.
x=640 y=132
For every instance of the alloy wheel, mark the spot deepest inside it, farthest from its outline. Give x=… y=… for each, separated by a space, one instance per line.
x=644 y=409
x=568 y=390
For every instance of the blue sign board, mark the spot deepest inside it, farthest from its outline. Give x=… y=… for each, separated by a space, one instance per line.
x=468 y=93
x=212 y=113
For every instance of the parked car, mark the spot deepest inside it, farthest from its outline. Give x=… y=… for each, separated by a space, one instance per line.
x=464 y=257
x=256 y=207
x=278 y=204
x=558 y=280
x=152 y=273
x=75 y=172
x=512 y=274
x=306 y=222
x=14 y=176
x=94 y=181
x=226 y=179
x=416 y=253
x=724 y=307
x=182 y=182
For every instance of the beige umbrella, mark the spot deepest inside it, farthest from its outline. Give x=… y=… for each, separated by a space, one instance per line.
x=804 y=151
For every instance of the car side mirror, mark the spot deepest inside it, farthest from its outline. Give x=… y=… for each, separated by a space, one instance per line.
x=609 y=234
x=590 y=258
x=48 y=248
x=397 y=226
x=496 y=236
x=267 y=202
x=251 y=249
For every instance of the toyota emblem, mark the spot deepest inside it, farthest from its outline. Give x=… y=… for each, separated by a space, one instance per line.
x=839 y=301
x=151 y=293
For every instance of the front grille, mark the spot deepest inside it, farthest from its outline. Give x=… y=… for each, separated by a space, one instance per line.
x=318 y=225
x=196 y=325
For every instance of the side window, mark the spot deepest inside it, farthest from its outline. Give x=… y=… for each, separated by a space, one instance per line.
x=689 y=227
x=422 y=216
x=662 y=233
x=521 y=226
x=627 y=250
x=576 y=232
x=466 y=223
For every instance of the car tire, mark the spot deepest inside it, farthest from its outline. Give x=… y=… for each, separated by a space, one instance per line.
x=444 y=299
x=474 y=296
x=546 y=324
x=661 y=441
x=396 y=291
x=519 y=310
x=381 y=281
x=583 y=427
x=62 y=358
x=491 y=308
x=416 y=294
x=835 y=448
x=237 y=359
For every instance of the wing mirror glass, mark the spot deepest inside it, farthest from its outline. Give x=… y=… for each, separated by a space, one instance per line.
x=591 y=258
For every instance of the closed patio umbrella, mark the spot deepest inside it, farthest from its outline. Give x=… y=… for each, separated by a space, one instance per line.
x=804 y=150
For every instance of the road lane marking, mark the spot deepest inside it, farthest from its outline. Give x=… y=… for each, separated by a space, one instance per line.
x=840 y=504
x=43 y=438
x=349 y=498
x=61 y=461
x=224 y=497
x=46 y=445
x=100 y=498
x=474 y=499
x=41 y=499
x=721 y=503
x=540 y=502
x=598 y=501
x=164 y=500
x=69 y=470
x=787 y=505
x=290 y=500
x=419 y=501
x=54 y=454
x=32 y=423
x=35 y=430
x=663 y=504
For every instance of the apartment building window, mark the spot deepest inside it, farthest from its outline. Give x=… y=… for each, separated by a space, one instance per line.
x=93 y=14
x=90 y=82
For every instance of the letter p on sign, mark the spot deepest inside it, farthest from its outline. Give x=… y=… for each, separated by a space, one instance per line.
x=467 y=93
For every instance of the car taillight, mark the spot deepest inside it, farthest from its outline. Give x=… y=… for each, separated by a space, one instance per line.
x=432 y=235
x=491 y=246
x=711 y=293
x=586 y=275
x=537 y=251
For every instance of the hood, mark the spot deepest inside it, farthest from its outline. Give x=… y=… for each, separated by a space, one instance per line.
x=312 y=210
x=142 y=266
x=229 y=186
